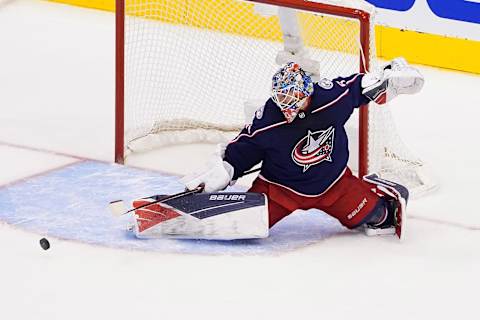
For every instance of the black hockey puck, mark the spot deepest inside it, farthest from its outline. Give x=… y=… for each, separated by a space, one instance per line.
x=45 y=244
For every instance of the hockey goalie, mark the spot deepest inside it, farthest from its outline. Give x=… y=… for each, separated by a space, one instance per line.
x=299 y=138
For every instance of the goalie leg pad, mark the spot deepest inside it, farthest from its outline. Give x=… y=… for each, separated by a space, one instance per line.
x=212 y=216
x=396 y=199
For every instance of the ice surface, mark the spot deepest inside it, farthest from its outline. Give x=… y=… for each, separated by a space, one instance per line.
x=56 y=93
x=71 y=203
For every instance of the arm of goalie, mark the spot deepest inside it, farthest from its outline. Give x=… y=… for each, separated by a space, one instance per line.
x=393 y=79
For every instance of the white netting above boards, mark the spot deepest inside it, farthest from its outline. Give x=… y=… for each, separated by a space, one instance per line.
x=190 y=67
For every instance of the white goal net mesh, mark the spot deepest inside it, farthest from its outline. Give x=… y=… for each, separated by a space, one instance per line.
x=190 y=66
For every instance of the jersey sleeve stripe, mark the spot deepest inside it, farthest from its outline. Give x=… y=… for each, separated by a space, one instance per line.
x=302 y=194
x=332 y=102
x=354 y=78
x=258 y=131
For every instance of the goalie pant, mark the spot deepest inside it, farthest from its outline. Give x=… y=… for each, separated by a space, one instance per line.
x=350 y=200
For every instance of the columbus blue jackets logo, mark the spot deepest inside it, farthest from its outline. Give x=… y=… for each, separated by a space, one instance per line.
x=326 y=84
x=259 y=112
x=314 y=148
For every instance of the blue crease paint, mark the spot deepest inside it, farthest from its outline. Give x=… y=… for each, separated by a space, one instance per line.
x=72 y=203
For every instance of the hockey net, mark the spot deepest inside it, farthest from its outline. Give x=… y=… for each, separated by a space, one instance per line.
x=187 y=68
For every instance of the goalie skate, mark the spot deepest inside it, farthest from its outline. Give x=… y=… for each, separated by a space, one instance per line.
x=397 y=199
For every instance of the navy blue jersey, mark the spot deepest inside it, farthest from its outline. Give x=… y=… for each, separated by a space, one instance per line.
x=309 y=154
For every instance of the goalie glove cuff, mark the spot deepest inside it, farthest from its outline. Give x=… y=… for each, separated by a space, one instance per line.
x=375 y=87
x=393 y=79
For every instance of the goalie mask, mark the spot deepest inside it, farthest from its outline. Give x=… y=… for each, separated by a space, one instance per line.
x=291 y=87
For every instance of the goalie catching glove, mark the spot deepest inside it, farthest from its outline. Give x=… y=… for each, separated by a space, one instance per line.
x=393 y=79
x=217 y=176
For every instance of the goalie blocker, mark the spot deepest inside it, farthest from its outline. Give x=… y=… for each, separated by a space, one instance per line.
x=212 y=216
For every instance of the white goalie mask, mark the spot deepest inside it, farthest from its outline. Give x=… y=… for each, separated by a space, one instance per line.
x=291 y=87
